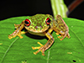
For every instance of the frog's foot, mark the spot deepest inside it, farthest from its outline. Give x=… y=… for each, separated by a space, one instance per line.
x=58 y=36
x=19 y=34
x=22 y=32
x=63 y=36
x=41 y=48
x=16 y=25
x=16 y=33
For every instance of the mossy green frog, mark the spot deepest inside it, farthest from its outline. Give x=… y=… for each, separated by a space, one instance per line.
x=42 y=25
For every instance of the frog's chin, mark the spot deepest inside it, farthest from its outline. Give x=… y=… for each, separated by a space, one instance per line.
x=37 y=31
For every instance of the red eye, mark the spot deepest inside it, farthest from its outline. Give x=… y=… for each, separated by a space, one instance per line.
x=48 y=21
x=27 y=22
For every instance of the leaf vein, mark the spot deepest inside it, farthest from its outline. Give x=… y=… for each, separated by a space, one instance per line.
x=77 y=37
x=7 y=50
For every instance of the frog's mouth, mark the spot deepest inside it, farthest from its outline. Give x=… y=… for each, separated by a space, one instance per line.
x=38 y=30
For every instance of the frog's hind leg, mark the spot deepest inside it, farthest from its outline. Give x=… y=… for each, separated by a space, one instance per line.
x=60 y=27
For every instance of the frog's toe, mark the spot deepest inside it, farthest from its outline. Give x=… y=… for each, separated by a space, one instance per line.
x=35 y=48
x=24 y=32
x=39 y=49
x=39 y=43
x=43 y=54
x=57 y=33
x=59 y=36
x=10 y=37
x=21 y=33
x=16 y=25
x=20 y=36
x=35 y=53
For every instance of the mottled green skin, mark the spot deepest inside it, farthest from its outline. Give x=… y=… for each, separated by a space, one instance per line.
x=38 y=21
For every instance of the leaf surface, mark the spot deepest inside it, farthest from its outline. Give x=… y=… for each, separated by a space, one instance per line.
x=19 y=50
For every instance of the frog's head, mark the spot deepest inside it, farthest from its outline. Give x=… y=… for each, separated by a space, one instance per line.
x=38 y=23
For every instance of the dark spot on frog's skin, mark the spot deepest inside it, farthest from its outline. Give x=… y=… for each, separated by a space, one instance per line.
x=74 y=60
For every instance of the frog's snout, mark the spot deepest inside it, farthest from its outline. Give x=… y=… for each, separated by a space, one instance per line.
x=38 y=27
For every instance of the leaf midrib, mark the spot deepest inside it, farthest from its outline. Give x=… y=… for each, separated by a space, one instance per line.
x=8 y=49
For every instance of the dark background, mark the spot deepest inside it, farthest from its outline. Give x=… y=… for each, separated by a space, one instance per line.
x=15 y=8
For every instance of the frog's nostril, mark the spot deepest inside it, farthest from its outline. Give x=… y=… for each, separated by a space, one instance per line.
x=37 y=27
x=41 y=26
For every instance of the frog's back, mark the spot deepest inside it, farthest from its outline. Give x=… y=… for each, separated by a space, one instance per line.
x=38 y=17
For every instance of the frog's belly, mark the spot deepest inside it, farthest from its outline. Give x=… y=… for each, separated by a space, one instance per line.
x=34 y=33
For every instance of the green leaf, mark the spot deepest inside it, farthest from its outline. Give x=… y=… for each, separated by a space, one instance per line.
x=19 y=50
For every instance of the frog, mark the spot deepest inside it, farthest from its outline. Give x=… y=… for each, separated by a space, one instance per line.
x=42 y=25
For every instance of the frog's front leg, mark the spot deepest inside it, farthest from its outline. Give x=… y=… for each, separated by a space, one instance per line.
x=18 y=31
x=46 y=46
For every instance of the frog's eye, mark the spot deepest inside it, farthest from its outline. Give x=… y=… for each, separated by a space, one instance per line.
x=27 y=22
x=48 y=21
